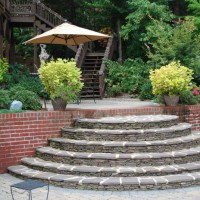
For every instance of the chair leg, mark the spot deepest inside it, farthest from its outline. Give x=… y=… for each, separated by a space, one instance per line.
x=12 y=193
x=93 y=95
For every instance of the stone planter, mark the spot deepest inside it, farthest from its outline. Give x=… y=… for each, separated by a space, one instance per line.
x=59 y=103
x=171 y=100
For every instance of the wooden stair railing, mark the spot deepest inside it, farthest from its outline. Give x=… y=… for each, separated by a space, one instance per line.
x=35 y=8
x=110 y=48
x=47 y=15
x=80 y=54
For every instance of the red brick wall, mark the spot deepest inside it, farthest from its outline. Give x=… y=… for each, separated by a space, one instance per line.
x=22 y=133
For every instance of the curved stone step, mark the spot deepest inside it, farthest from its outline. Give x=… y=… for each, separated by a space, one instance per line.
x=84 y=170
x=121 y=159
x=181 y=129
x=189 y=141
x=109 y=183
x=128 y=122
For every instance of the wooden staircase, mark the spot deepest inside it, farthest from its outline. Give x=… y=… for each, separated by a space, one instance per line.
x=94 y=69
x=24 y=13
x=90 y=75
x=33 y=13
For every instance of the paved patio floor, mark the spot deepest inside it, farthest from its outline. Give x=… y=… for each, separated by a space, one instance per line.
x=56 y=193
x=107 y=103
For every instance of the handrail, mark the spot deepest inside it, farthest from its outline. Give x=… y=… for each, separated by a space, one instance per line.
x=49 y=16
x=33 y=7
x=80 y=55
x=110 y=48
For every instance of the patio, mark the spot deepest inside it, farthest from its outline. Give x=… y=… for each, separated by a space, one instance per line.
x=107 y=103
x=57 y=193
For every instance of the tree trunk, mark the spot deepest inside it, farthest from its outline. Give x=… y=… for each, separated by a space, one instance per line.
x=120 y=40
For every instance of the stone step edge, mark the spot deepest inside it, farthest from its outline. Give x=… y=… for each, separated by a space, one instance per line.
x=129 y=119
x=179 y=127
x=179 y=140
x=106 y=181
x=36 y=162
x=114 y=156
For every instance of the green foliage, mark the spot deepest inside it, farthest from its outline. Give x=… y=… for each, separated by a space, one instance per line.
x=61 y=78
x=3 y=69
x=22 y=35
x=17 y=72
x=19 y=75
x=29 y=99
x=188 y=98
x=3 y=111
x=33 y=84
x=5 y=100
x=146 y=91
x=171 y=79
x=114 y=90
x=180 y=43
x=141 y=14
x=194 y=7
x=126 y=77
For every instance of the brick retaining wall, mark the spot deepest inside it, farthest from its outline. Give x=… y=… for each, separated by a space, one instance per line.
x=22 y=133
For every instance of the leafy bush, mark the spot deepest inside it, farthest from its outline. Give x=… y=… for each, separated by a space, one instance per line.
x=188 y=98
x=114 y=90
x=33 y=84
x=127 y=77
x=146 y=91
x=17 y=72
x=171 y=79
x=61 y=78
x=5 y=100
x=178 y=42
x=21 y=35
x=19 y=75
x=3 y=68
x=29 y=99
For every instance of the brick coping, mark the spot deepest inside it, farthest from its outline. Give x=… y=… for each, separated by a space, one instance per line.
x=138 y=110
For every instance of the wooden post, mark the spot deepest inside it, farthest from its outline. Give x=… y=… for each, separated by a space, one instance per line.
x=7 y=53
x=1 y=45
x=12 y=47
x=120 y=40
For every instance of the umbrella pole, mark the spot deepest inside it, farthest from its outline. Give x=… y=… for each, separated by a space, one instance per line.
x=35 y=47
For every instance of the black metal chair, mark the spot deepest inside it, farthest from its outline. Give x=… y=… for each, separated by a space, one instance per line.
x=29 y=185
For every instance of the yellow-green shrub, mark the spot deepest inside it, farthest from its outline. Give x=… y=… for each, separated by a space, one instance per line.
x=3 y=68
x=61 y=78
x=171 y=79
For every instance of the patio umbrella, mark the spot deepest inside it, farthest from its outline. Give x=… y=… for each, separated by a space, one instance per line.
x=67 y=34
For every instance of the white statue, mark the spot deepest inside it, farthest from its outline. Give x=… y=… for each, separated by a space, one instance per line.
x=43 y=55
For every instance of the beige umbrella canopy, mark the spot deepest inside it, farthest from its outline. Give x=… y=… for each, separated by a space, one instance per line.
x=67 y=34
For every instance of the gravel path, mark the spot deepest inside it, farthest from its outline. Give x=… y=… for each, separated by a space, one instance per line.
x=56 y=193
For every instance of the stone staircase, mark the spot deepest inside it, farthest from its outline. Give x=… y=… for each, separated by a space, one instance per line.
x=119 y=153
x=90 y=69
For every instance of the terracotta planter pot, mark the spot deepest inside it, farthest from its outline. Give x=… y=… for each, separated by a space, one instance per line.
x=171 y=100
x=59 y=104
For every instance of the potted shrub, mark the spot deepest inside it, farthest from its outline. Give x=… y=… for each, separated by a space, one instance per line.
x=170 y=81
x=61 y=79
